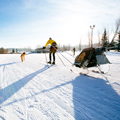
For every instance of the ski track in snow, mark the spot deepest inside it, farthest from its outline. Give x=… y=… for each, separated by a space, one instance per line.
x=31 y=91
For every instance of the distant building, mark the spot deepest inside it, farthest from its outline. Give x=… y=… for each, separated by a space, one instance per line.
x=41 y=50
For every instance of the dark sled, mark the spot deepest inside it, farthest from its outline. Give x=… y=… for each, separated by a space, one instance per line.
x=91 y=57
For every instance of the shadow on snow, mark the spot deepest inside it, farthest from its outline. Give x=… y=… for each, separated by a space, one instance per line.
x=95 y=99
x=10 y=90
x=92 y=98
x=7 y=64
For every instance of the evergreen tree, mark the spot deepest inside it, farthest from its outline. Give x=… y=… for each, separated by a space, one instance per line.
x=104 y=39
x=13 y=51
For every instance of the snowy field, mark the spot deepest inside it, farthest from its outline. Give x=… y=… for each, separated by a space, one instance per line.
x=31 y=91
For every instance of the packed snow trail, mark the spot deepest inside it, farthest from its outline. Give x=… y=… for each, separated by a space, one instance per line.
x=31 y=91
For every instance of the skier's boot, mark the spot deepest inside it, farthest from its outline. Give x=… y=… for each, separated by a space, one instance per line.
x=49 y=62
x=53 y=63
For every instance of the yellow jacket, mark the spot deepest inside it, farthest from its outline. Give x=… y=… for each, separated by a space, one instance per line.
x=50 y=41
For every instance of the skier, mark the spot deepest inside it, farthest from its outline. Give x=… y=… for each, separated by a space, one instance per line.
x=74 y=51
x=53 y=48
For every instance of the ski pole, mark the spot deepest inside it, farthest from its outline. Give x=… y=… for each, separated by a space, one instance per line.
x=46 y=59
x=61 y=60
x=69 y=54
x=66 y=58
x=62 y=55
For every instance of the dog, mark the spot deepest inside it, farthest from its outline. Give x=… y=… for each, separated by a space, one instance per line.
x=23 y=56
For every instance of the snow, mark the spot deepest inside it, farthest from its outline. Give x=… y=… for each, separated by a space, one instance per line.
x=30 y=90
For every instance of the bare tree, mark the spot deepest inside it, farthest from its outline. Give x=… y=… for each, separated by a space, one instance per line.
x=118 y=41
x=116 y=30
x=79 y=47
x=3 y=51
x=89 y=39
x=68 y=47
x=29 y=49
x=98 y=39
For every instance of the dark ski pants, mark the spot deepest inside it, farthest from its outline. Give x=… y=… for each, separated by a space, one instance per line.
x=52 y=51
x=53 y=56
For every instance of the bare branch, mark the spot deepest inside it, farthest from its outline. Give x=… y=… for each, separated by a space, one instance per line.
x=116 y=30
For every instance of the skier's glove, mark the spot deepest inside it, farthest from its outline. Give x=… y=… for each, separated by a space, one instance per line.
x=44 y=47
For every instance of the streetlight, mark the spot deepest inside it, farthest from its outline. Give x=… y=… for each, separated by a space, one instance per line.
x=92 y=34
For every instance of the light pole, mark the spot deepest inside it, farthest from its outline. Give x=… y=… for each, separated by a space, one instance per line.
x=92 y=34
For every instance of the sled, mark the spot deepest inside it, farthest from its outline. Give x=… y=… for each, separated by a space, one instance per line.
x=91 y=57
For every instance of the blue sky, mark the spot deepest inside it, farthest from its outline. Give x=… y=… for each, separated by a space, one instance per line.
x=28 y=23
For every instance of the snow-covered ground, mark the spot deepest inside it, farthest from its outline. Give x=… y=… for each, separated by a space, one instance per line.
x=31 y=91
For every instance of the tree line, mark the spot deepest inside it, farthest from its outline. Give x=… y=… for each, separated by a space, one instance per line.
x=103 y=41
x=3 y=51
x=14 y=50
x=114 y=43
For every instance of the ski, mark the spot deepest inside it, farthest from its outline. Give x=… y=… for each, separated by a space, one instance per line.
x=84 y=74
x=74 y=72
x=50 y=65
x=47 y=65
